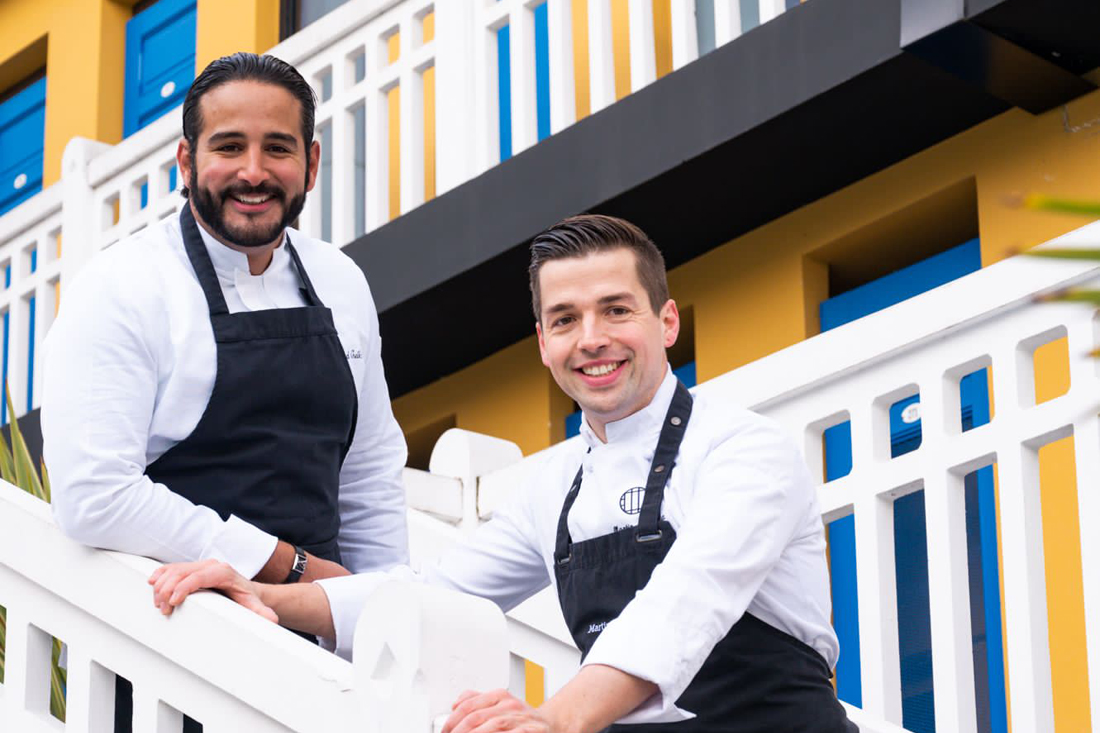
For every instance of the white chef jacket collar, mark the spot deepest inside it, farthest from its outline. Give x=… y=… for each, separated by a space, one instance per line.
x=645 y=421
x=228 y=262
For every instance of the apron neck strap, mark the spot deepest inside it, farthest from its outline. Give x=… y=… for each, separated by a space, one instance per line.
x=664 y=458
x=308 y=293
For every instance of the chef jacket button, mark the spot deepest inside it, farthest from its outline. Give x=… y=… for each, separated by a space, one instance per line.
x=659 y=469
x=675 y=420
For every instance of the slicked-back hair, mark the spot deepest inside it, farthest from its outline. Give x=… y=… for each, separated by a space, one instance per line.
x=579 y=236
x=243 y=66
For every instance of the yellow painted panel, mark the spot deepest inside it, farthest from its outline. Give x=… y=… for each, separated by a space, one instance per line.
x=662 y=35
x=393 y=48
x=393 y=103
x=534 y=683
x=428 y=25
x=1065 y=586
x=429 y=133
x=1051 y=370
x=223 y=28
x=620 y=45
x=581 y=90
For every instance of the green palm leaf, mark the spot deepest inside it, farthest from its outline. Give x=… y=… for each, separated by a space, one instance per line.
x=1038 y=202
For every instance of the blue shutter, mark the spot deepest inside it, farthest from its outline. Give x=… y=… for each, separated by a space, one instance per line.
x=160 y=61
x=22 y=141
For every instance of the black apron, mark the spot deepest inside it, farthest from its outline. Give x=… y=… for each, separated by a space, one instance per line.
x=281 y=417
x=757 y=679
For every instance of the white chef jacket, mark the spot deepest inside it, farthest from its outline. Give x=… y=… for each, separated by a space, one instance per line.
x=749 y=538
x=129 y=367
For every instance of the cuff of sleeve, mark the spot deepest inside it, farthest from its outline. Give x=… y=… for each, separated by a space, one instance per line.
x=244 y=546
x=660 y=661
x=346 y=597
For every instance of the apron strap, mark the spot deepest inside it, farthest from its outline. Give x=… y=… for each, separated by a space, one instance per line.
x=200 y=261
x=664 y=458
x=308 y=293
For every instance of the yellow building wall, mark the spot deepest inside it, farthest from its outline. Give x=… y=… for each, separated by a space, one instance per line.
x=82 y=46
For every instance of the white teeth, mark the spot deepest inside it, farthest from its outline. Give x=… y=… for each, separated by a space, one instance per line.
x=602 y=369
x=252 y=199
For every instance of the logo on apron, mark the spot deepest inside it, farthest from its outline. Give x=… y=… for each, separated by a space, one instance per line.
x=631 y=500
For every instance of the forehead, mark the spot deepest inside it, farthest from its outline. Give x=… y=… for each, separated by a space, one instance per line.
x=588 y=278
x=251 y=107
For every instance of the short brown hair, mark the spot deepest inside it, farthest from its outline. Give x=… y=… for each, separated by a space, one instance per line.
x=587 y=234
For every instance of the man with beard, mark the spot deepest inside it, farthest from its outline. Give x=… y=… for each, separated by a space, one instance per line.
x=214 y=384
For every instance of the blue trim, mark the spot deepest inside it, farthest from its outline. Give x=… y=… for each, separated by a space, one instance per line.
x=144 y=194
x=573 y=424
x=845 y=592
x=914 y=618
x=160 y=50
x=34 y=259
x=30 y=355
x=173 y=175
x=4 y=401
x=504 y=93
x=901 y=285
x=7 y=276
x=542 y=71
x=22 y=144
x=686 y=374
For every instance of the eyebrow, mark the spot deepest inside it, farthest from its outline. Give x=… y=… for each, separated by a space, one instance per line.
x=282 y=137
x=605 y=300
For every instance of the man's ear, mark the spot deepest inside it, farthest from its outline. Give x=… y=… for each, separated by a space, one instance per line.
x=184 y=160
x=670 y=322
x=542 y=345
x=314 y=162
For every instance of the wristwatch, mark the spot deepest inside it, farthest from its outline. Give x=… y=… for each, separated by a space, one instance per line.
x=298 y=567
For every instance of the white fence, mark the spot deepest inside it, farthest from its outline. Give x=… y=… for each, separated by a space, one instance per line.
x=376 y=162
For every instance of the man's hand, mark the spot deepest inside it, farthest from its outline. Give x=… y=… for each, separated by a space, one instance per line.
x=172 y=583
x=494 y=711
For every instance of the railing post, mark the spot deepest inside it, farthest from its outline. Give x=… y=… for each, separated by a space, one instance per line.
x=417 y=648
x=727 y=20
x=466 y=455
x=80 y=225
x=27 y=663
x=685 y=35
x=90 y=695
x=563 y=101
x=601 y=56
x=643 y=54
x=455 y=70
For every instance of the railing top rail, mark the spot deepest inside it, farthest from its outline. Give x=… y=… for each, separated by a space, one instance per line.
x=32 y=211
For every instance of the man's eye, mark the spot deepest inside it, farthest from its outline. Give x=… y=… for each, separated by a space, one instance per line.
x=228 y=148
x=279 y=149
x=563 y=321
x=618 y=310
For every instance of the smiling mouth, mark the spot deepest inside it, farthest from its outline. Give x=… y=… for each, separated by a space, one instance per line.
x=252 y=199
x=600 y=370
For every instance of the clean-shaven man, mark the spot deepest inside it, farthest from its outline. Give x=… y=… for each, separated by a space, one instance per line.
x=702 y=607
x=213 y=384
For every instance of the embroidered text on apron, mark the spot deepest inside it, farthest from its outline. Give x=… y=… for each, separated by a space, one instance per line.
x=756 y=679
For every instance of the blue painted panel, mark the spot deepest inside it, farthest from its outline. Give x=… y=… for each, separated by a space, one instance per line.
x=914 y=619
x=845 y=592
x=4 y=402
x=22 y=141
x=838 y=451
x=30 y=354
x=160 y=61
x=905 y=437
x=901 y=285
x=173 y=174
x=504 y=92
x=573 y=424
x=542 y=71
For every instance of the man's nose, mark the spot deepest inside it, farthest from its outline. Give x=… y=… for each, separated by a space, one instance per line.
x=252 y=170
x=593 y=335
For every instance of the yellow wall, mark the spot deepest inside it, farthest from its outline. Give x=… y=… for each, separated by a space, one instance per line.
x=83 y=46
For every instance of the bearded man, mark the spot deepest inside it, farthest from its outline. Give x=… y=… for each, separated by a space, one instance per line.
x=213 y=383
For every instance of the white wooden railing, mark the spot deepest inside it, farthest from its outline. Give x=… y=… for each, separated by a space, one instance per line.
x=109 y=192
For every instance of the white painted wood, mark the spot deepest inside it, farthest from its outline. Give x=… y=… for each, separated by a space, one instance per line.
x=770 y=9
x=601 y=56
x=90 y=695
x=521 y=21
x=643 y=56
x=685 y=36
x=563 y=104
x=727 y=20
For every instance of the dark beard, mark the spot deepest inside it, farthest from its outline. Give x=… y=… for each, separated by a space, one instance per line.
x=210 y=212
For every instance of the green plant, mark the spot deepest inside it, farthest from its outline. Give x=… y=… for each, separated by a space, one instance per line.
x=17 y=467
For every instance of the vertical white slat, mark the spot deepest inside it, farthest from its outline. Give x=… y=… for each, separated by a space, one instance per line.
x=563 y=100
x=343 y=155
x=90 y=695
x=27 y=662
x=459 y=76
x=517 y=676
x=949 y=597
x=601 y=55
x=880 y=666
x=1083 y=336
x=486 y=94
x=771 y=9
x=17 y=346
x=685 y=36
x=524 y=104
x=643 y=52
x=377 y=153
x=411 y=114
x=727 y=20
x=1028 y=662
x=152 y=715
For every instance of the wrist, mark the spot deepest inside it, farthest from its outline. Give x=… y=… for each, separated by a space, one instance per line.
x=561 y=718
x=297 y=566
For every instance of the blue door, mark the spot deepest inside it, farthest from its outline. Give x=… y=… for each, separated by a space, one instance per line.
x=160 y=61
x=911 y=561
x=22 y=140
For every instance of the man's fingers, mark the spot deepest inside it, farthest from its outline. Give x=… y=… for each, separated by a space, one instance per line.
x=466 y=695
x=474 y=711
x=254 y=604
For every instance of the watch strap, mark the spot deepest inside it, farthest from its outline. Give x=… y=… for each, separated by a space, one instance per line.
x=298 y=568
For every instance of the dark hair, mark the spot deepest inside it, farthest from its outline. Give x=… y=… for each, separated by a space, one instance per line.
x=243 y=66
x=586 y=234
